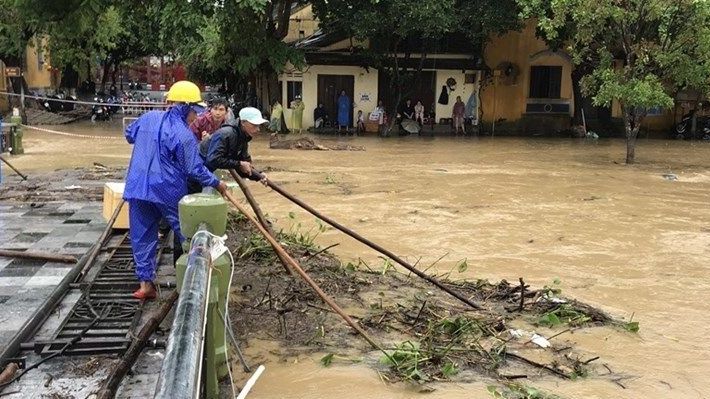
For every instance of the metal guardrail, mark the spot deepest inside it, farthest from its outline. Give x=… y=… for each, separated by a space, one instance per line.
x=180 y=376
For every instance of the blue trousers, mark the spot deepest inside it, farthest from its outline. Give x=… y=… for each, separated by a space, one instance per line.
x=144 y=217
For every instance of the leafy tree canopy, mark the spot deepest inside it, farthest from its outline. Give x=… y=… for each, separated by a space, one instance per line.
x=645 y=50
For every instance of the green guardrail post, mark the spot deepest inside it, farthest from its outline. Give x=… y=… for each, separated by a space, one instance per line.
x=16 y=136
x=212 y=210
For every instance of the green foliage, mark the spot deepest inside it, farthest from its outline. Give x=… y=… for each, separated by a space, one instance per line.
x=84 y=35
x=518 y=391
x=330 y=179
x=449 y=370
x=659 y=47
x=457 y=327
x=563 y=314
x=462 y=266
x=296 y=236
x=327 y=359
x=17 y=26
x=553 y=290
x=632 y=326
x=406 y=359
x=607 y=83
x=256 y=246
x=229 y=37
x=386 y=265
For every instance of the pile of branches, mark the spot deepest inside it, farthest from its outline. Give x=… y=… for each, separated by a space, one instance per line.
x=428 y=335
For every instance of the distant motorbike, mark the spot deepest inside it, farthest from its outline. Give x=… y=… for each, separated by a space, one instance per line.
x=99 y=111
x=51 y=103
x=683 y=129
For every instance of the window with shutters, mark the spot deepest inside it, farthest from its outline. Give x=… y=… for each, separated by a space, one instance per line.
x=545 y=81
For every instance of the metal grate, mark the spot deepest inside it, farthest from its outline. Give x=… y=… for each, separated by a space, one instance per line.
x=108 y=297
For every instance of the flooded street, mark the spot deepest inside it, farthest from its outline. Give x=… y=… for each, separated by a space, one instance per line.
x=622 y=238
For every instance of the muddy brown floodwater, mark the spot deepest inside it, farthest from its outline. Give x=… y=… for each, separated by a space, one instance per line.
x=623 y=238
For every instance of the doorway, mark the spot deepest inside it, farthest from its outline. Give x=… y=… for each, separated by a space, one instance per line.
x=329 y=88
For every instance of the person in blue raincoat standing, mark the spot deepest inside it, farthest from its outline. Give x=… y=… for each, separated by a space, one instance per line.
x=165 y=154
x=344 y=108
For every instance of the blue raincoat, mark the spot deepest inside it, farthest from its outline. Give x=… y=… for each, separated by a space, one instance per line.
x=344 y=108
x=165 y=155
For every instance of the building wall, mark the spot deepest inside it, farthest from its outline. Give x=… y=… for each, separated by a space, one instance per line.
x=657 y=121
x=523 y=49
x=365 y=83
x=302 y=20
x=462 y=89
x=37 y=67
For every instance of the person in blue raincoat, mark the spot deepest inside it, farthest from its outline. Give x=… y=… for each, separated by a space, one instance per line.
x=344 y=108
x=165 y=154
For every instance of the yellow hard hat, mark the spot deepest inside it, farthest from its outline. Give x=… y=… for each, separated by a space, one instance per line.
x=184 y=92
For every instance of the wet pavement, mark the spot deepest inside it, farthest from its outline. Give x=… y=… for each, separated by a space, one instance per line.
x=67 y=228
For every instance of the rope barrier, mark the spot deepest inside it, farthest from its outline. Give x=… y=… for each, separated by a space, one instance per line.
x=122 y=104
x=83 y=136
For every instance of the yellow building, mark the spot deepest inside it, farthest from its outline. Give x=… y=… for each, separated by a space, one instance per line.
x=36 y=70
x=518 y=82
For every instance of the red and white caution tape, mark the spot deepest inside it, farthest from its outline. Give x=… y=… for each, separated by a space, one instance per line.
x=83 y=136
x=126 y=104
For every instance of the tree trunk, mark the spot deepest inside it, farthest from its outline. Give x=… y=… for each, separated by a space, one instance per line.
x=631 y=145
x=694 y=123
x=632 y=123
x=104 y=75
x=70 y=78
x=114 y=74
x=578 y=98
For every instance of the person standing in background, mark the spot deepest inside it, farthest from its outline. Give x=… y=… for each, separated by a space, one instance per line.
x=297 y=108
x=458 y=115
x=344 y=108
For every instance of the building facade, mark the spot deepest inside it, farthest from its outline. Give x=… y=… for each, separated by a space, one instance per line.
x=517 y=85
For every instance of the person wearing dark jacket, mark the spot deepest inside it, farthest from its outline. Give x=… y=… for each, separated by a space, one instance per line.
x=228 y=147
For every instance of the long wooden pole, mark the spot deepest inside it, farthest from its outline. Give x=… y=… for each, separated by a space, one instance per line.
x=50 y=257
x=374 y=246
x=297 y=268
x=252 y=201
x=24 y=177
x=108 y=391
x=260 y=215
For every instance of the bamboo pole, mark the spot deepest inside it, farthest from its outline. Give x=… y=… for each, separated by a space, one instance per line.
x=50 y=257
x=296 y=267
x=260 y=215
x=24 y=177
x=108 y=391
x=374 y=246
x=252 y=202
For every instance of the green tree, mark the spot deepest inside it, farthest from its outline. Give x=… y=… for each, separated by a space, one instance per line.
x=18 y=25
x=81 y=37
x=232 y=40
x=647 y=50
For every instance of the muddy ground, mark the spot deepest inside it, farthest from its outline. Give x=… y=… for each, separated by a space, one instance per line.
x=84 y=184
x=428 y=335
